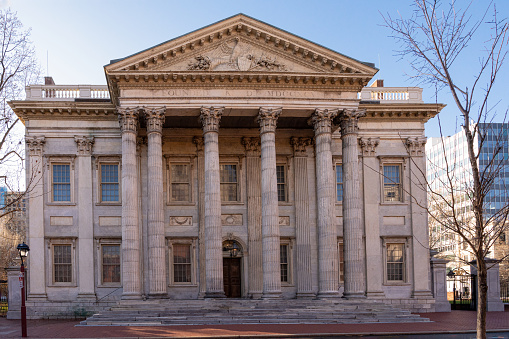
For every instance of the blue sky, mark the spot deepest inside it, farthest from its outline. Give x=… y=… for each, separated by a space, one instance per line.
x=75 y=39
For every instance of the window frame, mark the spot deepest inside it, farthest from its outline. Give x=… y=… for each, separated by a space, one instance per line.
x=237 y=161
x=180 y=160
x=51 y=272
x=108 y=160
x=393 y=161
x=340 y=164
x=405 y=243
x=285 y=183
x=100 y=244
x=289 y=254
x=61 y=160
x=192 y=243
x=341 y=255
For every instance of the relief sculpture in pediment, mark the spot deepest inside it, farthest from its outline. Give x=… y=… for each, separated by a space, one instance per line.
x=236 y=56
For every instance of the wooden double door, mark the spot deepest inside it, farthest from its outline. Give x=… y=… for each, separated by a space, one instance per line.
x=232 y=277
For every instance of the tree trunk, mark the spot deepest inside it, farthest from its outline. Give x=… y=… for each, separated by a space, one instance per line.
x=482 y=292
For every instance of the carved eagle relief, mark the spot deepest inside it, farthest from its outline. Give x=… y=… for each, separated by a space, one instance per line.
x=236 y=56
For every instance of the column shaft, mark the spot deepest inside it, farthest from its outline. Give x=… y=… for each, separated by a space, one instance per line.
x=156 y=239
x=327 y=231
x=201 y=212
x=355 y=280
x=210 y=118
x=254 y=216
x=302 y=229
x=270 y=210
x=131 y=275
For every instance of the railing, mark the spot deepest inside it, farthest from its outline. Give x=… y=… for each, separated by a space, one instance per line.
x=389 y=95
x=504 y=293
x=66 y=92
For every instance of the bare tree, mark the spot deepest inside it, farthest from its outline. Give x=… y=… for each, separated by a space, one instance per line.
x=433 y=39
x=18 y=67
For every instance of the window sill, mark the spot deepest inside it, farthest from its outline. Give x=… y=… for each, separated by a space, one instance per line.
x=64 y=203
x=396 y=283
x=183 y=203
x=396 y=203
x=226 y=203
x=113 y=285
x=285 y=203
x=116 y=203
x=63 y=285
x=183 y=285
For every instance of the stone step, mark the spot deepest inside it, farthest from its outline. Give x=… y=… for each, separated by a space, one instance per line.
x=227 y=311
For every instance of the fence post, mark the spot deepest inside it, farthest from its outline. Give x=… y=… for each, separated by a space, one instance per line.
x=493 y=298
x=440 y=285
x=14 y=306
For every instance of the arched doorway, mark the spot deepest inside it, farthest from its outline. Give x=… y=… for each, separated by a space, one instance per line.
x=232 y=273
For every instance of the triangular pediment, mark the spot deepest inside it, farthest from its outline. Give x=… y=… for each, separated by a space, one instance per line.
x=240 y=44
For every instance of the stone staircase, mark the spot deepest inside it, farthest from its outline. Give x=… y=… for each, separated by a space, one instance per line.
x=242 y=311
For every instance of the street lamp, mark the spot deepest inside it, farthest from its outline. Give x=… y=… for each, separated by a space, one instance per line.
x=23 y=252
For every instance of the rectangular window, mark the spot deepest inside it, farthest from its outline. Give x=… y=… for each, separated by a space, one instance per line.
x=228 y=175
x=110 y=263
x=284 y=263
x=392 y=183
x=62 y=263
x=182 y=263
x=61 y=182
x=109 y=183
x=395 y=262
x=281 y=183
x=339 y=182
x=180 y=179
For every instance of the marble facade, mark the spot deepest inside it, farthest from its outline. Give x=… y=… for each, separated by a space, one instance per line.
x=228 y=136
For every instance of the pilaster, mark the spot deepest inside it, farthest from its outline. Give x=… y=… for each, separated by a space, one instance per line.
x=254 y=216
x=210 y=118
x=355 y=268
x=267 y=118
x=371 y=179
x=131 y=265
x=156 y=241
x=326 y=218
x=302 y=229
x=199 y=142
x=85 y=218
x=35 y=234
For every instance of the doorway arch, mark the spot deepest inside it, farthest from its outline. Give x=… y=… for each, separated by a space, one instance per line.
x=232 y=268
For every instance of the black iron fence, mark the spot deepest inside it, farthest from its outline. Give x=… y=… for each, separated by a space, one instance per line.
x=462 y=291
x=4 y=297
x=504 y=293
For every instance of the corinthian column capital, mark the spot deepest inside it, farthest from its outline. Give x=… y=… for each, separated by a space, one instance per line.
x=299 y=145
x=415 y=146
x=321 y=119
x=199 y=142
x=210 y=117
x=84 y=144
x=267 y=118
x=252 y=146
x=35 y=145
x=368 y=146
x=348 y=120
x=128 y=118
x=155 y=119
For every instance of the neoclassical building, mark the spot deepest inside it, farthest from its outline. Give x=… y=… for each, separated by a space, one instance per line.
x=237 y=161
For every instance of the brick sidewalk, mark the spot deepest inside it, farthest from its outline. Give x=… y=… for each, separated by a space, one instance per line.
x=456 y=321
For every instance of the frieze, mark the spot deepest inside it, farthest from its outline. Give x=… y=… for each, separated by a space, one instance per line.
x=181 y=221
x=231 y=219
x=242 y=93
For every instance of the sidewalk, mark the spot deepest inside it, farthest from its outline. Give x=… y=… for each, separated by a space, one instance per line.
x=454 y=322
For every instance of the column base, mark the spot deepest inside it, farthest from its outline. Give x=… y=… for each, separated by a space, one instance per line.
x=354 y=295
x=271 y=295
x=322 y=295
x=256 y=295
x=214 y=295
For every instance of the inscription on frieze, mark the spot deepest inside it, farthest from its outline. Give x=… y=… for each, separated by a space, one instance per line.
x=239 y=93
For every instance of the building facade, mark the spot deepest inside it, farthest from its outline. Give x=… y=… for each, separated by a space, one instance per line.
x=449 y=155
x=237 y=161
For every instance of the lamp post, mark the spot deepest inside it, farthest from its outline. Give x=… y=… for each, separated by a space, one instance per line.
x=23 y=252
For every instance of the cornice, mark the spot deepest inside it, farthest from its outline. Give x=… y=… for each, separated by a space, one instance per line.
x=402 y=110
x=26 y=109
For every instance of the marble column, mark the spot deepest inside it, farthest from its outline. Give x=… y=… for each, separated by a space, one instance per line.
x=198 y=141
x=35 y=233
x=371 y=178
x=267 y=118
x=417 y=192
x=326 y=199
x=302 y=229
x=355 y=276
x=210 y=117
x=131 y=274
x=156 y=240
x=254 y=216
x=85 y=218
